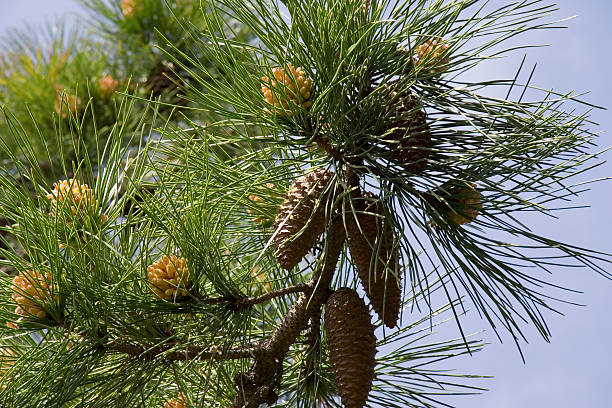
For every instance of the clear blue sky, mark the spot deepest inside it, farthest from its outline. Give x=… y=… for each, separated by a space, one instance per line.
x=574 y=370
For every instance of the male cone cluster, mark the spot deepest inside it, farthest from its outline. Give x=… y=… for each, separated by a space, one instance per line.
x=352 y=346
x=409 y=134
x=295 y=88
x=169 y=277
x=31 y=289
x=301 y=218
x=371 y=242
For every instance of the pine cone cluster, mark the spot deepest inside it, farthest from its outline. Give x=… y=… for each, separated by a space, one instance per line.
x=169 y=277
x=373 y=251
x=301 y=218
x=352 y=346
x=32 y=290
x=409 y=134
x=107 y=86
x=295 y=88
x=466 y=204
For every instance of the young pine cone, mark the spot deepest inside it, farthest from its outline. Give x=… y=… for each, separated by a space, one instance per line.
x=169 y=277
x=371 y=243
x=466 y=204
x=409 y=137
x=295 y=88
x=352 y=346
x=32 y=289
x=301 y=218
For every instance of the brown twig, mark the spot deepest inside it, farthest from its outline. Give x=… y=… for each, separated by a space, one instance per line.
x=256 y=386
x=243 y=303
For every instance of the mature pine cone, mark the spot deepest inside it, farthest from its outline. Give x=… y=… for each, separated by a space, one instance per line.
x=301 y=218
x=410 y=135
x=352 y=346
x=370 y=240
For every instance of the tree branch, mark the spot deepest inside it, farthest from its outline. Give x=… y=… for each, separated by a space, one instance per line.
x=188 y=353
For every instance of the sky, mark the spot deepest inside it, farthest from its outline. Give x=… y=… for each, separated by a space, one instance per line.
x=574 y=369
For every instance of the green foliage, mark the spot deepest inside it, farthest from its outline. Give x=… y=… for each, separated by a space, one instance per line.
x=205 y=184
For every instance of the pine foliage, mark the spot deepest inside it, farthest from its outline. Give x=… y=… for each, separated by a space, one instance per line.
x=202 y=203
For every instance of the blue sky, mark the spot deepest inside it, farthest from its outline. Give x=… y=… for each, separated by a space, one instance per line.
x=574 y=370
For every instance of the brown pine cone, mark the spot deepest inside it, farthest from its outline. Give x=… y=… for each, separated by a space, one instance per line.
x=301 y=217
x=352 y=346
x=371 y=240
x=410 y=138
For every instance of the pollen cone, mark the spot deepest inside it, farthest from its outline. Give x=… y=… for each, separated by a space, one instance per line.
x=371 y=243
x=352 y=346
x=301 y=217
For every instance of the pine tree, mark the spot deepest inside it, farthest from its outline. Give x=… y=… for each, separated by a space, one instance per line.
x=237 y=203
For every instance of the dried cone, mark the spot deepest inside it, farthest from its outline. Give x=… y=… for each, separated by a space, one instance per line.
x=32 y=289
x=301 y=218
x=169 y=277
x=352 y=346
x=371 y=242
x=466 y=204
x=410 y=135
x=295 y=88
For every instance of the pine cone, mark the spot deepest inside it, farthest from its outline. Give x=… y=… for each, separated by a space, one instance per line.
x=301 y=218
x=466 y=205
x=169 y=277
x=410 y=135
x=31 y=289
x=295 y=88
x=352 y=346
x=371 y=243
